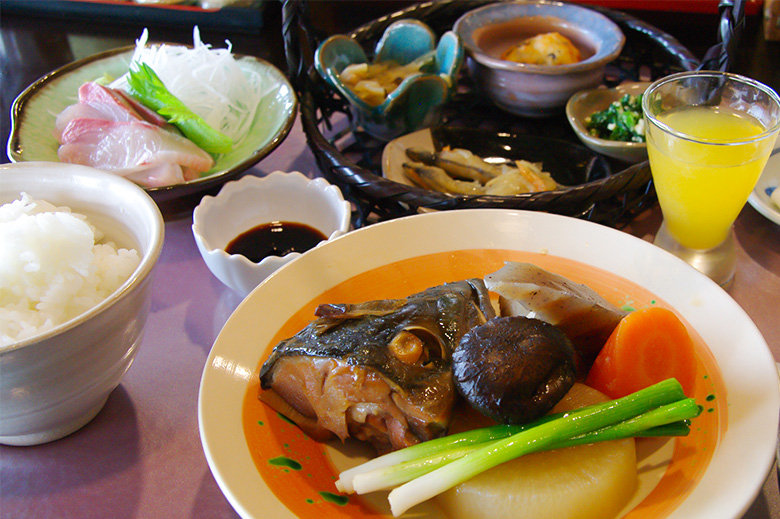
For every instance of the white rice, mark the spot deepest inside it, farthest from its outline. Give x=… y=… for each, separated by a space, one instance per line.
x=52 y=267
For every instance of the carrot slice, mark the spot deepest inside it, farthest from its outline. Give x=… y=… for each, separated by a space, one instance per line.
x=646 y=347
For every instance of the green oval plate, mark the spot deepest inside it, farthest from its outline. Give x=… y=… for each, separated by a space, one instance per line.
x=35 y=109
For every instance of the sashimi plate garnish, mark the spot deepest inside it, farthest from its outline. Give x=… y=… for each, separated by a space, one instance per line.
x=34 y=112
x=267 y=467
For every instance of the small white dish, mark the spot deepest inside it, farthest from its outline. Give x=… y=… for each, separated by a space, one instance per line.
x=585 y=103
x=769 y=181
x=244 y=204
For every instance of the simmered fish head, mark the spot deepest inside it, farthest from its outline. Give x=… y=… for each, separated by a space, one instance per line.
x=378 y=371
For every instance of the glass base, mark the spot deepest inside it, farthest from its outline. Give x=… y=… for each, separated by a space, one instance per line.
x=718 y=263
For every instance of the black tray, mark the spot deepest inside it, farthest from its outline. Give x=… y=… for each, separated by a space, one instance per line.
x=351 y=159
x=239 y=19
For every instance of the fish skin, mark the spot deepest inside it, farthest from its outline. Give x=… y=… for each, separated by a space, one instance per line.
x=96 y=101
x=460 y=163
x=435 y=178
x=419 y=397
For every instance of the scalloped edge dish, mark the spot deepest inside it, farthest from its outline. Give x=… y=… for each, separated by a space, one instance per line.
x=716 y=481
x=34 y=110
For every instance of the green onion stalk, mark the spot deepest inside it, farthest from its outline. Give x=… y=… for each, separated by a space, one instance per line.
x=669 y=420
x=427 y=469
x=148 y=88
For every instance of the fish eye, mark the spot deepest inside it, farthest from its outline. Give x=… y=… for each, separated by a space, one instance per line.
x=416 y=346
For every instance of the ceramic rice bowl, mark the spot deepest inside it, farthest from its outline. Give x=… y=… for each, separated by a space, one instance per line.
x=54 y=383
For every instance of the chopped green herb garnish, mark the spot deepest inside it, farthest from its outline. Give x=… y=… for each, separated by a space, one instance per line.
x=621 y=121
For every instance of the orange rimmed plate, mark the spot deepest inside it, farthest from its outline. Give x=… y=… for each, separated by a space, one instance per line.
x=267 y=468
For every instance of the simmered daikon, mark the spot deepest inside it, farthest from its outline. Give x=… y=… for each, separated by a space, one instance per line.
x=586 y=482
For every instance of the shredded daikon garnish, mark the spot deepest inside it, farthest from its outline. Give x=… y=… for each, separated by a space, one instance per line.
x=209 y=81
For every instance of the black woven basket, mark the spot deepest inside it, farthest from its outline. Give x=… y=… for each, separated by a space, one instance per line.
x=351 y=159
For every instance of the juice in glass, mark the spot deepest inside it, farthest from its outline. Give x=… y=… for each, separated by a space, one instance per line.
x=704 y=177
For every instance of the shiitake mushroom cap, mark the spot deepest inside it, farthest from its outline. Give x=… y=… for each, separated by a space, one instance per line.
x=514 y=369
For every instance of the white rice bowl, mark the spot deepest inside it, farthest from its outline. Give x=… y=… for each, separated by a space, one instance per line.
x=55 y=265
x=52 y=267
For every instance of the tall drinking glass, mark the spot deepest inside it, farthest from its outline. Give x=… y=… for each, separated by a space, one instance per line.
x=709 y=135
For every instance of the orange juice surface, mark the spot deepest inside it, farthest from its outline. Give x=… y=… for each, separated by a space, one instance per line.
x=702 y=185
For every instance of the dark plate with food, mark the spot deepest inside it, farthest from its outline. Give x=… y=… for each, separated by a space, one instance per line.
x=80 y=112
x=460 y=161
x=338 y=349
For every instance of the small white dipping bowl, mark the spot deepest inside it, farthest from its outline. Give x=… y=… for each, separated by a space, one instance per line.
x=244 y=204
x=55 y=383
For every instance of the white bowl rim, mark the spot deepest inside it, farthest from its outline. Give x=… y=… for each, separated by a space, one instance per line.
x=600 y=58
x=141 y=272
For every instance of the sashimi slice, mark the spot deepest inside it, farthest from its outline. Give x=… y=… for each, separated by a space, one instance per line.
x=132 y=149
x=100 y=102
x=76 y=111
x=146 y=113
x=162 y=174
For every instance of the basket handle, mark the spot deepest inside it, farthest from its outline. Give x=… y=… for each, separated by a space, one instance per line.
x=295 y=24
x=732 y=22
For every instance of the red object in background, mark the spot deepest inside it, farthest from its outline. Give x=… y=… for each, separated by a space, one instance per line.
x=686 y=6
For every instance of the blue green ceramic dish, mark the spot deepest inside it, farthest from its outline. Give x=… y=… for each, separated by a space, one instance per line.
x=417 y=101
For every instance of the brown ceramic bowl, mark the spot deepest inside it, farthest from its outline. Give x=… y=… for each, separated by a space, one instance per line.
x=536 y=90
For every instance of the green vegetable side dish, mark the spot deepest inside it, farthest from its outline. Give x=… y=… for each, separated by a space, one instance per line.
x=149 y=89
x=621 y=121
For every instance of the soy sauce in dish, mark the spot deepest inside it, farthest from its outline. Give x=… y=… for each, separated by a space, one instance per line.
x=275 y=239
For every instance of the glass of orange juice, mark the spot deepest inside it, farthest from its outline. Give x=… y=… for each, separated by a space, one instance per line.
x=709 y=135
